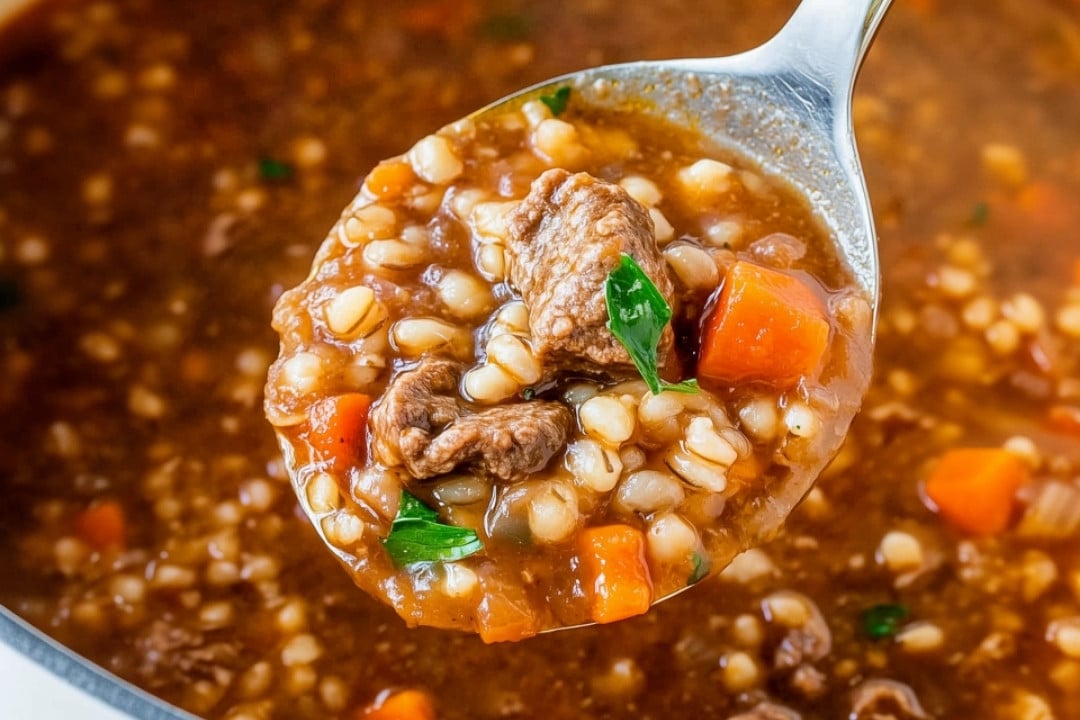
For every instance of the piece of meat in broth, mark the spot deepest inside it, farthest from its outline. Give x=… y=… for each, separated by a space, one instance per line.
x=421 y=423
x=565 y=238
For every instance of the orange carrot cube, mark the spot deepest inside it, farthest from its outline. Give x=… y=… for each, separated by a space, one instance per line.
x=766 y=325
x=615 y=572
x=974 y=488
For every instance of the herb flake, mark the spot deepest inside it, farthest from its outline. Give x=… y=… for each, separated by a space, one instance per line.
x=505 y=27
x=980 y=214
x=882 y=621
x=412 y=508
x=417 y=536
x=637 y=314
x=273 y=170
x=699 y=570
x=556 y=102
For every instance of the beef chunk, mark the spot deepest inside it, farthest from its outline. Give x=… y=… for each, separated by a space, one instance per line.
x=174 y=655
x=812 y=642
x=801 y=646
x=808 y=681
x=807 y=643
x=416 y=405
x=506 y=441
x=566 y=237
x=421 y=423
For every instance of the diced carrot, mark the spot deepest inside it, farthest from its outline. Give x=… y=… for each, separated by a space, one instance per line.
x=1046 y=209
x=615 y=572
x=975 y=488
x=766 y=325
x=337 y=429
x=390 y=180
x=504 y=615
x=102 y=525
x=1065 y=419
x=402 y=705
x=197 y=367
x=506 y=628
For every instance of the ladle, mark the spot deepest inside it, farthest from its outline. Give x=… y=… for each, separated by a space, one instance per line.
x=784 y=107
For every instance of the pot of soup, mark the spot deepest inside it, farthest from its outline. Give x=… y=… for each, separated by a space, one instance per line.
x=215 y=383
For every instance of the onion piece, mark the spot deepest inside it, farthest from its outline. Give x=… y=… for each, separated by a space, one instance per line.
x=1054 y=512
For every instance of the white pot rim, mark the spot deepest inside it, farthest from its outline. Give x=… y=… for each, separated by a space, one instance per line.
x=43 y=679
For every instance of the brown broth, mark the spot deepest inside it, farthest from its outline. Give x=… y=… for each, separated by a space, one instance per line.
x=134 y=345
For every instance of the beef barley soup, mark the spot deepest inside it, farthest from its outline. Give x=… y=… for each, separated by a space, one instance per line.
x=169 y=170
x=470 y=391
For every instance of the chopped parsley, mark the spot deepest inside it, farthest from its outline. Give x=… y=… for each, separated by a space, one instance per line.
x=557 y=100
x=637 y=315
x=980 y=214
x=273 y=170
x=700 y=569
x=882 y=621
x=505 y=27
x=417 y=536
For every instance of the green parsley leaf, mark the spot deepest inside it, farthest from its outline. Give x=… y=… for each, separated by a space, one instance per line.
x=273 y=170
x=505 y=27
x=412 y=508
x=637 y=314
x=882 y=621
x=417 y=536
x=419 y=541
x=700 y=569
x=556 y=101
x=980 y=214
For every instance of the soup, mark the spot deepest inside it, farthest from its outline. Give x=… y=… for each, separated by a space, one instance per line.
x=469 y=389
x=167 y=171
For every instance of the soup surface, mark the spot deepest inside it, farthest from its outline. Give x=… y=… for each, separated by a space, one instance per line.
x=166 y=173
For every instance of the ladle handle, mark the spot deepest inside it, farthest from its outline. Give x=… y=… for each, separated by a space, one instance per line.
x=826 y=40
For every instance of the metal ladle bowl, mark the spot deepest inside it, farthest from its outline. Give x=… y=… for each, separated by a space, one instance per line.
x=784 y=107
